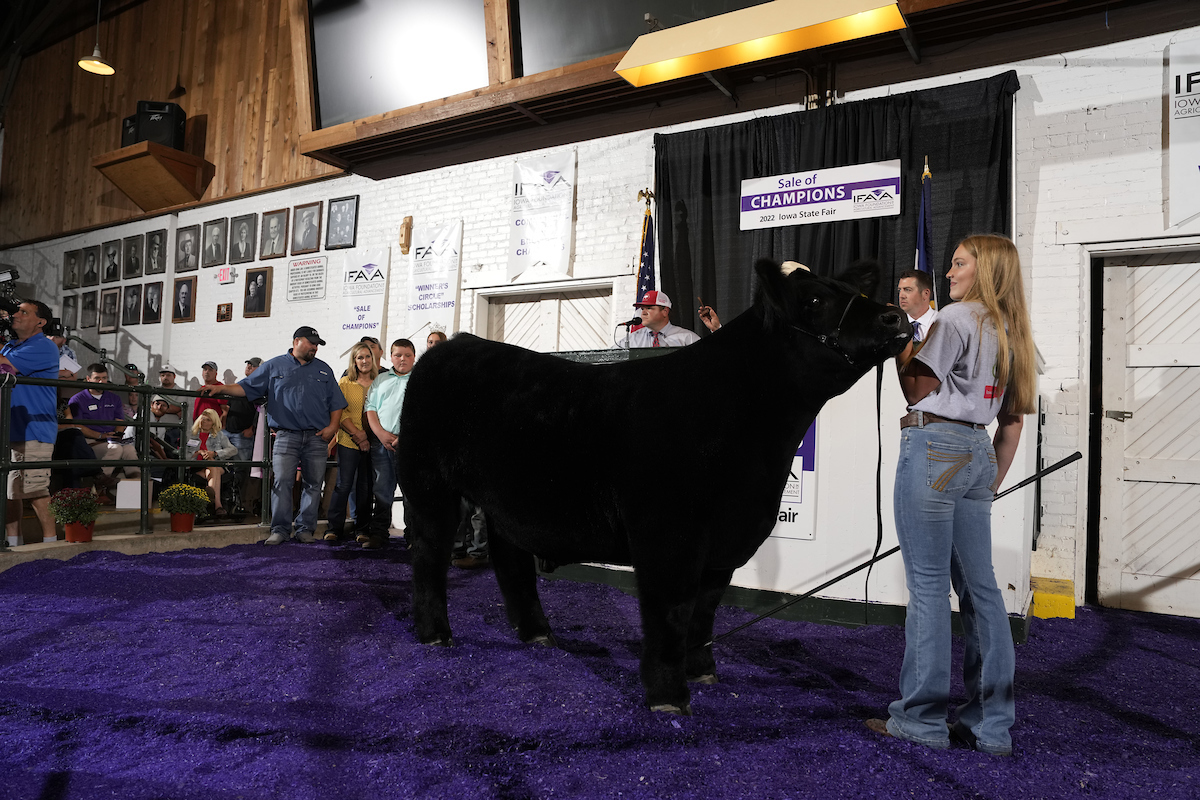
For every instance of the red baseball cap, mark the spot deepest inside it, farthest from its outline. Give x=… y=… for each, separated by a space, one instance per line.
x=654 y=298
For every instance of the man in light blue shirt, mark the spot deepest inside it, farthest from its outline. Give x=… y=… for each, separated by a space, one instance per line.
x=383 y=414
x=304 y=407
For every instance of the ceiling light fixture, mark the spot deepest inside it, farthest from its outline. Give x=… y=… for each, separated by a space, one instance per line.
x=95 y=62
x=753 y=34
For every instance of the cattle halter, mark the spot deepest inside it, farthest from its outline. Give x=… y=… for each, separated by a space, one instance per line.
x=834 y=340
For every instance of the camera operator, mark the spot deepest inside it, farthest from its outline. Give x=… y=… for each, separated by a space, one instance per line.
x=33 y=423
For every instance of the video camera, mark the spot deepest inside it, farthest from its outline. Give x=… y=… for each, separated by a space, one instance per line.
x=9 y=300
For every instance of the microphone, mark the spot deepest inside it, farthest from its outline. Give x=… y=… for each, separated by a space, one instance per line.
x=630 y=323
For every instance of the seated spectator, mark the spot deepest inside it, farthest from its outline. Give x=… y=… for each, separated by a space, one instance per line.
x=209 y=443
x=104 y=437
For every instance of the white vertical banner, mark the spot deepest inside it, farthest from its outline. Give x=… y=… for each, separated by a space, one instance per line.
x=433 y=269
x=1183 y=72
x=540 y=228
x=364 y=294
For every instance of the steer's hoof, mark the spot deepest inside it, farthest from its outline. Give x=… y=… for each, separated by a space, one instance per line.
x=544 y=639
x=440 y=642
x=670 y=708
x=708 y=679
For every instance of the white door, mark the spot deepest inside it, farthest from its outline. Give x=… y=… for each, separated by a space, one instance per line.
x=1150 y=444
x=553 y=321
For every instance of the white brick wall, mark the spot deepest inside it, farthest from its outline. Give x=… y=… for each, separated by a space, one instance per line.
x=1089 y=168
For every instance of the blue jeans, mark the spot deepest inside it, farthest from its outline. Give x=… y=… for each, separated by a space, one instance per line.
x=354 y=479
x=244 y=445
x=943 y=504
x=384 y=465
x=292 y=448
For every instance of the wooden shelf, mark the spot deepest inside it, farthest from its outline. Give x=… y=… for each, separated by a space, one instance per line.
x=155 y=176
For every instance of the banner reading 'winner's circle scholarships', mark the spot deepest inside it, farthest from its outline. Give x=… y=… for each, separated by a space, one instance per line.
x=822 y=195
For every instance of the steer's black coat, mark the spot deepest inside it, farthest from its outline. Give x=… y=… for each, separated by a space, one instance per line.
x=674 y=465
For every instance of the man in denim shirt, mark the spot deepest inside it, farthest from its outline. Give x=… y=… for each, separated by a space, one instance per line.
x=304 y=407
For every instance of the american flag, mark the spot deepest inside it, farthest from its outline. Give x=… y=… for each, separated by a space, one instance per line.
x=646 y=270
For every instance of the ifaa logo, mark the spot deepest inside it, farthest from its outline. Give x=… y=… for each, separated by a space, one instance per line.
x=874 y=200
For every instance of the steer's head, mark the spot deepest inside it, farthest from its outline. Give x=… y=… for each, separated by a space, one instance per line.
x=836 y=316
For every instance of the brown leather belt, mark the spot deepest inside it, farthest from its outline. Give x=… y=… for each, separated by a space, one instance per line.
x=919 y=419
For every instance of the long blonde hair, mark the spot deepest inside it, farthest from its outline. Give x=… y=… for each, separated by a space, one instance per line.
x=999 y=288
x=352 y=371
x=212 y=417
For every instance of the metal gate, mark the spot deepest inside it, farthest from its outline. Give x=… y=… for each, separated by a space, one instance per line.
x=1150 y=440
x=554 y=321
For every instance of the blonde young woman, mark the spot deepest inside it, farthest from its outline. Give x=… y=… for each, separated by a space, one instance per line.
x=354 y=446
x=209 y=443
x=976 y=365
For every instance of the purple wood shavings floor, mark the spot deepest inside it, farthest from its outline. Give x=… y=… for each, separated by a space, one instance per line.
x=255 y=672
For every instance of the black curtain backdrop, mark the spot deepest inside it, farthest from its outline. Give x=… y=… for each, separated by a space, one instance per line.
x=965 y=130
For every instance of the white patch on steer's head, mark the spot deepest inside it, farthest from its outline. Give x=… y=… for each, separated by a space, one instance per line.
x=788 y=267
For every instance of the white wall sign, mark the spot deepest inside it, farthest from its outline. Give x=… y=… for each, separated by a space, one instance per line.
x=540 y=227
x=306 y=278
x=1184 y=131
x=364 y=291
x=797 y=508
x=433 y=270
x=824 y=195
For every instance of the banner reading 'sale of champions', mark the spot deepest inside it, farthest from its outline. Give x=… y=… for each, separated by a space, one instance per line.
x=433 y=269
x=824 y=195
x=364 y=292
x=798 y=508
x=543 y=198
x=1184 y=130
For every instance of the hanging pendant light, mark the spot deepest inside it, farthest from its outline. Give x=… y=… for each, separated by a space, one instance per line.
x=95 y=62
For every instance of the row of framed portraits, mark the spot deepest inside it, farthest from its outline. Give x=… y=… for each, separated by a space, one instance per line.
x=142 y=303
x=236 y=240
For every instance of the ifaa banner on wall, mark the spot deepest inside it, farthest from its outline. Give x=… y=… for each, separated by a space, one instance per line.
x=824 y=195
x=540 y=229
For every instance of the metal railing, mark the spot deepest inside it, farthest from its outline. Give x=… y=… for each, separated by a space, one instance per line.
x=143 y=425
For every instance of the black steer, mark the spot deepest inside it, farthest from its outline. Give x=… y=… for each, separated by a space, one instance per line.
x=674 y=465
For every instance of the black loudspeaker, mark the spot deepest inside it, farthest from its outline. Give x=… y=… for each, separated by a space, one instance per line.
x=129 y=131
x=164 y=123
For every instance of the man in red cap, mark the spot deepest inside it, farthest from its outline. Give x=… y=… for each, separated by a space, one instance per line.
x=657 y=330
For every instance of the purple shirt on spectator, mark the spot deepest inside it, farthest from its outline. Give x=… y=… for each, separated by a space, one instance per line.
x=84 y=406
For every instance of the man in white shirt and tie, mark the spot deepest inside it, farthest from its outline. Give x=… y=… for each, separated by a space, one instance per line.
x=657 y=330
x=916 y=289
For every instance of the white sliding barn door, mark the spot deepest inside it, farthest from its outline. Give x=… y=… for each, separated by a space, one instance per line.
x=1150 y=444
x=553 y=321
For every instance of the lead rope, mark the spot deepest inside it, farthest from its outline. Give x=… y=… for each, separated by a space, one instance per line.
x=878 y=491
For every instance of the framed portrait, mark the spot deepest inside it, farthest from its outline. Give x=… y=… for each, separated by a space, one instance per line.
x=87 y=310
x=110 y=299
x=224 y=312
x=131 y=307
x=156 y=253
x=152 y=303
x=243 y=233
x=91 y=268
x=72 y=266
x=306 y=228
x=342 y=230
x=256 y=300
x=70 y=312
x=110 y=261
x=187 y=249
x=215 y=237
x=183 y=300
x=274 y=234
x=134 y=248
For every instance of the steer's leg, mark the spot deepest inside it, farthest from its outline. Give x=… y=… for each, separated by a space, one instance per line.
x=517 y=575
x=701 y=668
x=666 y=599
x=429 y=529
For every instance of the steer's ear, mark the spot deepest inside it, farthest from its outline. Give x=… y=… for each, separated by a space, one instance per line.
x=772 y=289
x=863 y=275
